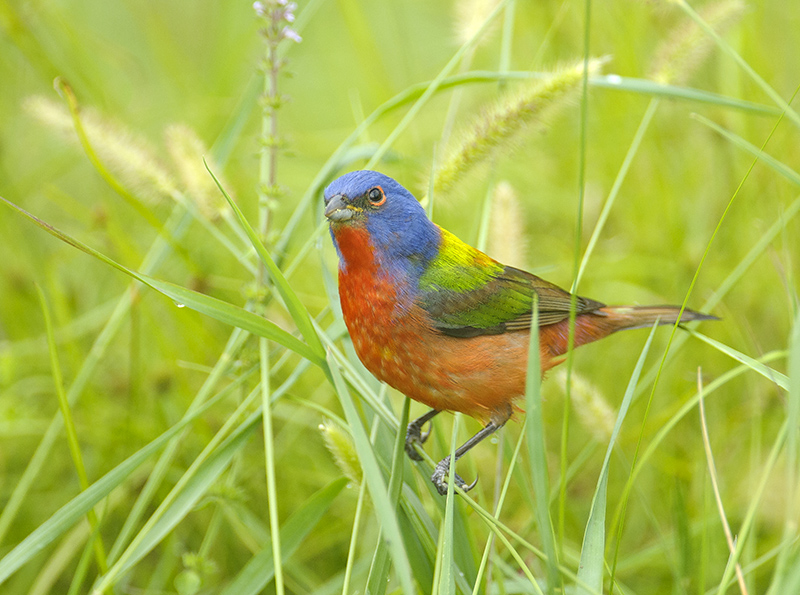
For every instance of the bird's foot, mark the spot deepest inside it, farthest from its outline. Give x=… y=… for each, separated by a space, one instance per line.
x=414 y=436
x=441 y=474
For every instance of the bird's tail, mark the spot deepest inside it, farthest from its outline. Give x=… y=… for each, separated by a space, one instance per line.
x=599 y=323
x=626 y=317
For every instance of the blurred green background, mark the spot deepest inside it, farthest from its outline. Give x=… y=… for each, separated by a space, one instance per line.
x=143 y=66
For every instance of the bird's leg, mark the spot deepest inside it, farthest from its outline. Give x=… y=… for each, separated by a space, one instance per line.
x=442 y=470
x=414 y=434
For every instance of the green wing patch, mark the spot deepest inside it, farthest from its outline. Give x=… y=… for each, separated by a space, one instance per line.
x=467 y=293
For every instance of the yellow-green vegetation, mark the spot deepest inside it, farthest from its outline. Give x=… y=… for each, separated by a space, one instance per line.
x=180 y=408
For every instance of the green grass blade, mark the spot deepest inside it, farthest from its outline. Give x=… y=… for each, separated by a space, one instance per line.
x=612 y=195
x=434 y=85
x=783 y=565
x=592 y=563
x=779 y=167
x=654 y=89
x=755 y=498
x=447 y=585
x=297 y=310
x=162 y=465
x=208 y=465
x=767 y=372
x=726 y=47
x=534 y=432
x=76 y=508
x=260 y=569
x=269 y=464
x=69 y=426
x=379 y=570
x=384 y=510
x=154 y=258
x=213 y=307
x=230 y=314
x=204 y=477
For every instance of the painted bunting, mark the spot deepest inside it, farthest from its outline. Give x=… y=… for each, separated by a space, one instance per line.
x=441 y=321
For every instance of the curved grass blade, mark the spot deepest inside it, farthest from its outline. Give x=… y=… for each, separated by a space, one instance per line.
x=732 y=53
x=177 y=225
x=75 y=509
x=654 y=89
x=384 y=510
x=379 y=570
x=198 y=486
x=260 y=569
x=590 y=570
x=213 y=307
x=69 y=426
x=737 y=140
x=296 y=308
x=534 y=432
x=755 y=365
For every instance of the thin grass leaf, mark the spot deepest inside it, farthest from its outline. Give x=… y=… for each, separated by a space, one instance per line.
x=354 y=534
x=592 y=562
x=384 y=510
x=269 y=464
x=193 y=484
x=612 y=195
x=755 y=365
x=728 y=49
x=75 y=509
x=654 y=89
x=447 y=585
x=753 y=508
x=196 y=488
x=434 y=85
x=782 y=575
x=176 y=225
x=69 y=425
x=712 y=472
x=379 y=570
x=670 y=424
x=162 y=466
x=576 y=258
x=296 y=308
x=213 y=307
x=534 y=432
x=737 y=140
x=260 y=569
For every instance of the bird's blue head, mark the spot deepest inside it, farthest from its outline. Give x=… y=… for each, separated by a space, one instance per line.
x=396 y=223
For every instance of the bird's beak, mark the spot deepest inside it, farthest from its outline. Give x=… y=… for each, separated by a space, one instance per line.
x=337 y=209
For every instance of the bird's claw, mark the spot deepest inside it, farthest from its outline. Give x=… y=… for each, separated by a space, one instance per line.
x=440 y=476
x=414 y=436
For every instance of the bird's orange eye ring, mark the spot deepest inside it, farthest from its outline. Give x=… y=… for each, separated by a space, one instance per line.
x=376 y=196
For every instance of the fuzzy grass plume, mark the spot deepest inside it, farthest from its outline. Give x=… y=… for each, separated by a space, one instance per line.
x=127 y=155
x=187 y=151
x=507 y=241
x=499 y=129
x=687 y=46
x=470 y=16
x=341 y=446
x=591 y=407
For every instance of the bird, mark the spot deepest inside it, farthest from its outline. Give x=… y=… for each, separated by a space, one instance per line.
x=442 y=322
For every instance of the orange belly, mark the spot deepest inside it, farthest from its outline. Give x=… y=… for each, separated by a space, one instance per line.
x=474 y=375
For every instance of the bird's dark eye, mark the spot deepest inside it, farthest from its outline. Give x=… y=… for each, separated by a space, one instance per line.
x=376 y=196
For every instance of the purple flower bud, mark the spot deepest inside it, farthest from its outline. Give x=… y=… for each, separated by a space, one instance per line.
x=260 y=9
